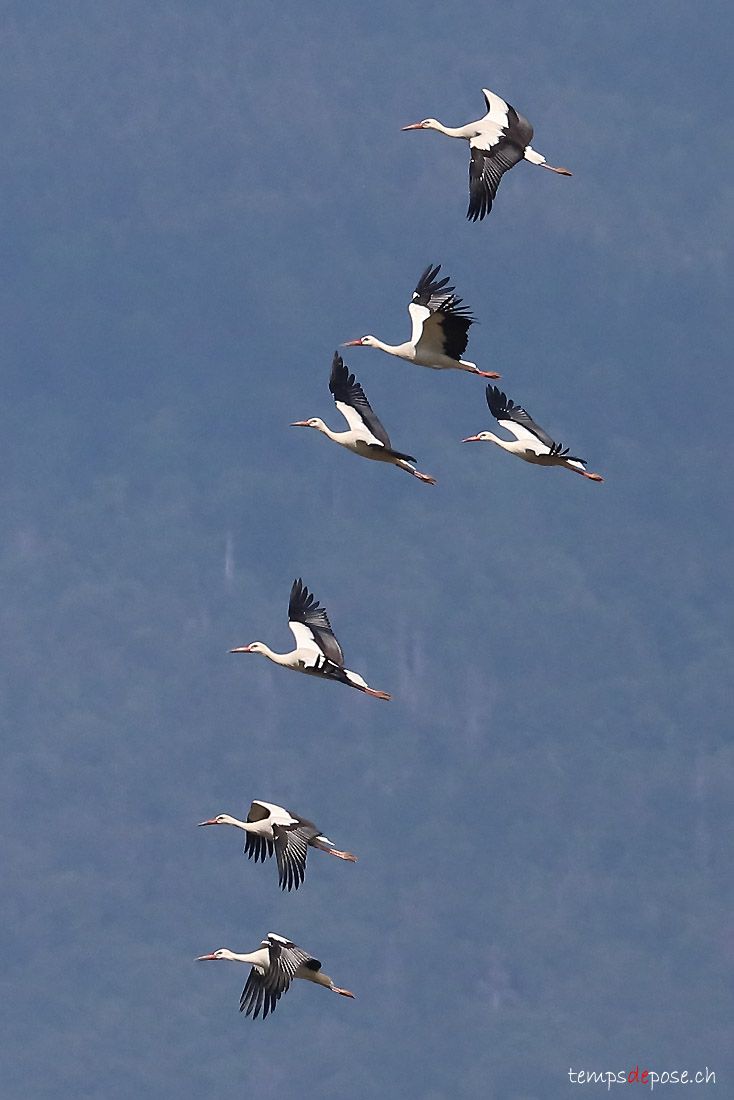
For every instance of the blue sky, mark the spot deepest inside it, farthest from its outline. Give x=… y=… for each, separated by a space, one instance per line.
x=199 y=202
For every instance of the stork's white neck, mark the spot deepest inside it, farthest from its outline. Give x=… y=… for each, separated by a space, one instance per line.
x=511 y=445
x=338 y=437
x=491 y=438
x=252 y=957
x=465 y=132
x=248 y=826
x=284 y=659
x=403 y=351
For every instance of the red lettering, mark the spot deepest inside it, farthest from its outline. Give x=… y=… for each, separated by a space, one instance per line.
x=644 y=1075
x=633 y=1076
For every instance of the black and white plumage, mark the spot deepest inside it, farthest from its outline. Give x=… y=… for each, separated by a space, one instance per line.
x=498 y=141
x=275 y=964
x=531 y=443
x=366 y=435
x=440 y=328
x=273 y=830
x=317 y=651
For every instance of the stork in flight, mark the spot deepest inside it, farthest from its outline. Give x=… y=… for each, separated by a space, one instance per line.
x=440 y=328
x=272 y=829
x=366 y=435
x=317 y=651
x=498 y=141
x=531 y=442
x=275 y=964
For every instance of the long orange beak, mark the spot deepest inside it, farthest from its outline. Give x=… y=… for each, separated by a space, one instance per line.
x=352 y=344
x=212 y=822
x=300 y=424
x=241 y=649
x=413 y=126
x=206 y=958
x=472 y=439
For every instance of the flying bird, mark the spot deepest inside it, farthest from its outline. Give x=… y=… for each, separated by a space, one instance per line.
x=530 y=442
x=366 y=435
x=440 y=328
x=272 y=830
x=275 y=964
x=497 y=142
x=317 y=651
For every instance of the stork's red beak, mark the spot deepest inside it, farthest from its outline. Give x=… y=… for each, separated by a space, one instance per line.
x=472 y=439
x=300 y=424
x=206 y=958
x=352 y=344
x=413 y=126
x=241 y=649
x=212 y=822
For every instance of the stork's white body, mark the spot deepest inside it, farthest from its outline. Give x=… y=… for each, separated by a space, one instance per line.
x=498 y=141
x=425 y=347
x=366 y=436
x=260 y=959
x=440 y=325
x=485 y=132
x=273 y=830
x=274 y=816
x=317 y=651
x=361 y=442
x=531 y=442
x=307 y=657
x=275 y=964
x=531 y=450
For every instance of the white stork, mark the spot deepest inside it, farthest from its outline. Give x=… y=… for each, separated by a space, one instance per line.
x=531 y=442
x=366 y=435
x=275 y=964
x=498 y=142
x=272 y=830
x=440 y=328
x=317 y=651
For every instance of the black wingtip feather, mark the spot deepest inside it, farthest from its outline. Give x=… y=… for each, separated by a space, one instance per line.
x=338 y=380
x=496 y=400
x=503 y=408
x=427 y=285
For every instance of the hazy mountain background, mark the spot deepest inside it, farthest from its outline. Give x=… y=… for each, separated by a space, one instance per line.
x=198 y=202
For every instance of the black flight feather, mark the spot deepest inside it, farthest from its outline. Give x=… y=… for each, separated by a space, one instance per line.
x=304 y=608
x=488 y=164
x=258 y=847
x=437 y=295
x=291 y=850
x=453 y=318
x=502 y=408
x=345 y=388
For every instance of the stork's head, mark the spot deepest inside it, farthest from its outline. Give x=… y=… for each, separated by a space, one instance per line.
x=363 y=342
x=483 y=437
x=221 y=819
x=426 y=124
x=314 y=422
x=222 y=953
x=253 y=647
